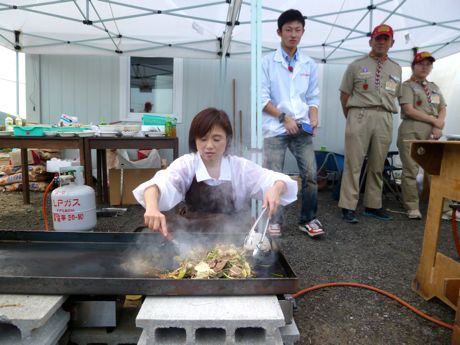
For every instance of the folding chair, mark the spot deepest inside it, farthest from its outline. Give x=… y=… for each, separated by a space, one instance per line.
x=389 y=178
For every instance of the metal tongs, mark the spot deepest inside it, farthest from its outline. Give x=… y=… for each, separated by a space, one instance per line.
x=252 y=242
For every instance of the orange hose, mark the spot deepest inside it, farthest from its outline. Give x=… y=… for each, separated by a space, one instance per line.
x=45 y=216
x=380 y=291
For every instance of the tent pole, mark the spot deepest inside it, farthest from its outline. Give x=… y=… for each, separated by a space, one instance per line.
x=223 y=78
x=371 y=17
x=17 y=83
x=234 y=110
x=256 y=56
x=254 y=153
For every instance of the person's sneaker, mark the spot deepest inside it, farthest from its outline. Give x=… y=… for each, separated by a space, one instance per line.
x=377 y=213
x=349 y=216
x=274 y=230
x=312 y=228
x=414 y=214
x=448 y=215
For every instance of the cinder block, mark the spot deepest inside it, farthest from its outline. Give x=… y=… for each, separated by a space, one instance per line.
x=28 y=312
x=48 y=334
x=213 y=320
x=211 y=339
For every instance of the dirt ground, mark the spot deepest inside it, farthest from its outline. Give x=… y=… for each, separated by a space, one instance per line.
x=382 y=254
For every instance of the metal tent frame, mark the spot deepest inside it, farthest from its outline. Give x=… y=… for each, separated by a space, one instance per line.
x=336 y=32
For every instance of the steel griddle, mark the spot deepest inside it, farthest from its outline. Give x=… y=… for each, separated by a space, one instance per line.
x=36 y=262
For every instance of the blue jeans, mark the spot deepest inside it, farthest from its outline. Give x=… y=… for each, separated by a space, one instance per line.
x=301 y=146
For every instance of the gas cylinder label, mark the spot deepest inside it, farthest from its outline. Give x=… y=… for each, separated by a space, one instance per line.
x=66 y=202
x=59 y=217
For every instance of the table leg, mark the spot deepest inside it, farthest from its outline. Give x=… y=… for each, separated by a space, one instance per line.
x=176 y=150
x=85 y=161
x=105 y=189
x=25 y=176
x=99 y=176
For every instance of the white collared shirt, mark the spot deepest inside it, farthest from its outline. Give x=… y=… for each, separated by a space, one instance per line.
x=291 y=92
x=249 y=180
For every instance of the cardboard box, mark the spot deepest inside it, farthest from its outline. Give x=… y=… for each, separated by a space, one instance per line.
x=121 y=193
x=4 y=158
x=32 y=157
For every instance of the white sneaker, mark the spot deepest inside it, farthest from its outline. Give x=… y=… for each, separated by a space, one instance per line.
x=312 y=228
x=414 y=214
x=448 y=215
x=274 y=230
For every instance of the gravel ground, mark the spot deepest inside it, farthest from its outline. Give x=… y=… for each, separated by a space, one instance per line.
x=382 y=254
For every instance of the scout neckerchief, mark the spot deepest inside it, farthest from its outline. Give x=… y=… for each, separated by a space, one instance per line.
x=425 y=87
x=378 y=70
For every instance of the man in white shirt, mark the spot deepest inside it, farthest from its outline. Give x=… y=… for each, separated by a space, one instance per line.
x=290 y=116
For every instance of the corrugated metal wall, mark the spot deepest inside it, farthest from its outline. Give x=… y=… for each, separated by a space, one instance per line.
x=82 y=86
x=88 y=87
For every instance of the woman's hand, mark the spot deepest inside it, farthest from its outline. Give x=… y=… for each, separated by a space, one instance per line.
x=272 y=197
x=153 y=218
x=436 y=133
x=438 y=123
x=156 y=221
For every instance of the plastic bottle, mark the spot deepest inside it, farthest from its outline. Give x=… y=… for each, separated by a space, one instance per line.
x=9 y=122
x=168 y=127
x=18 y=121
x=173 y=127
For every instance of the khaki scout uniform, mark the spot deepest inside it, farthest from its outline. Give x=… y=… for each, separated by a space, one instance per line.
x=412 y=92
x=369 y=127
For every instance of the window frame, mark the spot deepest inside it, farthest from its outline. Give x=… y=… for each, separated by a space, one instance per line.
x=125 y=89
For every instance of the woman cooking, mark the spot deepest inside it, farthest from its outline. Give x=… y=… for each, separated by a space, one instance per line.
x=210 y=180
x=423 y=112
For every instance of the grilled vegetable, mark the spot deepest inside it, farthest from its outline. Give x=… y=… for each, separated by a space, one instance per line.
x=223 y=261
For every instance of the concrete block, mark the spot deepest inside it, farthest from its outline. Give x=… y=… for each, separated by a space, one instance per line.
x=28 y=312
x=290 y=333
x=48 y=334
x=211 y=320
x=276 y=340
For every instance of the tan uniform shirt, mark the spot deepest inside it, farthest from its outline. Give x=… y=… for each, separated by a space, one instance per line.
x=359 y=81
x=413 y=93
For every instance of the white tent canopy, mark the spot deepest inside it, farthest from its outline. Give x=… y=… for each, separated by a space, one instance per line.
x=336 y=31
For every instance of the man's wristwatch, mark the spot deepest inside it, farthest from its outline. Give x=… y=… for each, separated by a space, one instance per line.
x=282 y=117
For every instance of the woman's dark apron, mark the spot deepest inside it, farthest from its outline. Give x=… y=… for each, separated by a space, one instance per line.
x=209 y=209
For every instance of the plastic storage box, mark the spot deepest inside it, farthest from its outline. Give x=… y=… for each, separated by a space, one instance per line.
x=30 y=131
x=153 y=120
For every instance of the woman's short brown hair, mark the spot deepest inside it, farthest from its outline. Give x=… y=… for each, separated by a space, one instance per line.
x=204 y=121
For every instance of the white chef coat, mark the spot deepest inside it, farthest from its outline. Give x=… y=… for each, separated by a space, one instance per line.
x=291 y=92
x=249 y=180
